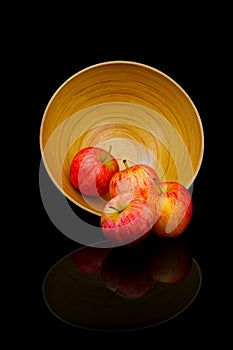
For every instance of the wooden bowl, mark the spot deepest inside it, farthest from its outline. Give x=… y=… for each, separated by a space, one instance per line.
x=141 y=112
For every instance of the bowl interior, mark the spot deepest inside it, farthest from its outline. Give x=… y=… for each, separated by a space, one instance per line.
x=139 y=111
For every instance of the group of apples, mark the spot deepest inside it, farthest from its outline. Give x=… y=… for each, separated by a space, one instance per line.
x=131 y=273
x=139 y=202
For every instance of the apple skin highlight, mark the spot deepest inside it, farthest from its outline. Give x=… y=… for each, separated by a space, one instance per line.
x=173 y=209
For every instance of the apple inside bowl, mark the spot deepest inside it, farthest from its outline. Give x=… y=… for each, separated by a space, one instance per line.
x=137 y=110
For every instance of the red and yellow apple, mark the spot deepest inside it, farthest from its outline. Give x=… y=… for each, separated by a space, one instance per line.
x=138 y=178
x=173 y=208
x=127 y=273
x=91 y=170
x=126 y=218
x=89 y=259
x=171 y=262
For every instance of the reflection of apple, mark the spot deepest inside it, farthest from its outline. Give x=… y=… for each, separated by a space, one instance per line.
x=89 y=259
x=91 y=170
x=138 y=178
x=126 y=218
x=173 y=207
x=171 y=262
x=127 y=272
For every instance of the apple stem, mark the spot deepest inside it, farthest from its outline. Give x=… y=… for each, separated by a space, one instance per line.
x=114 y=293
x=126 y=163
x=115 y=208
x=157 y=184
x=106 y=155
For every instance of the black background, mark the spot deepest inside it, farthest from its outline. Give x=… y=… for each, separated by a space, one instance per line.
x=44 y=61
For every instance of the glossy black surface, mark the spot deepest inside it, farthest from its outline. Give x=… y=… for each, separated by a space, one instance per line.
x=123 y=289
x=47 y=68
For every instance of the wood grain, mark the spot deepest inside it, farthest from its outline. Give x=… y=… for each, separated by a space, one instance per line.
x=144 y=114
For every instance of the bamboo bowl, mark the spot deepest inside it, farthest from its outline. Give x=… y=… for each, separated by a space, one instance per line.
x=141 y=112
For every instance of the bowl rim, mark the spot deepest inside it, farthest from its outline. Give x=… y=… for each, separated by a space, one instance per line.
x=116 y=62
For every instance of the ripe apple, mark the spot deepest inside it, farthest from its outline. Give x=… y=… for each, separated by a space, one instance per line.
x=171 y=262
x=138 y=178
x=173 y=208
x=126 y=218
x=91 y=170
x=89 y=259
x=127 y=273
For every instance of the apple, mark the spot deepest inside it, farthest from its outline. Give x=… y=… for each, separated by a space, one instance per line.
x=127 y=273
x=89 y=259
x=173 y=209
x=138 y=178
x=171 y=262
x=91 y=170
x=126 y=218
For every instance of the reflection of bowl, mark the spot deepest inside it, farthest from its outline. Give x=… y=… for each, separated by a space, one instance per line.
x=82 y=299
x=142 y=113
